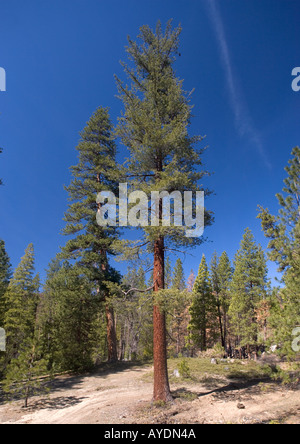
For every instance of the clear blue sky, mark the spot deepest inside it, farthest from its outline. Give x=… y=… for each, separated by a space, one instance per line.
x=60 y=58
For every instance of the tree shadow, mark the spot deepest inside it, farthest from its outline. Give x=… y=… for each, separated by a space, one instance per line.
x=74 y=381
x=184 y=394
x=250 y=387
x=65 y=382
x=60 y=402
x=229 y=391
x=107 y=369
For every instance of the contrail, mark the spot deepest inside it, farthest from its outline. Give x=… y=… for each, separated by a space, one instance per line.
x=242 y=117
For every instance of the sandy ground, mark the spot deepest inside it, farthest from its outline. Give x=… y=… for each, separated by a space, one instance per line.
x=124 y=396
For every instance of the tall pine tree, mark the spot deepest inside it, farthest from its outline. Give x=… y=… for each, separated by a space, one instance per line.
x=91 y=244
x=154 y=127
x=283 y=232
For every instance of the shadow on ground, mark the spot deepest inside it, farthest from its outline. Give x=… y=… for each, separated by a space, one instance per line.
x=60 y=402
x=233 y=390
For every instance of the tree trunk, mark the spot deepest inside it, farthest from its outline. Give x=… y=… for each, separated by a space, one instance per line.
x=227 y=345
x=161 y=381
x=26 y=397
x=110 y=320
x=111 y=334
x=221 y=327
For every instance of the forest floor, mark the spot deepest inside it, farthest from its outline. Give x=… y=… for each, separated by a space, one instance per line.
x=224 y=393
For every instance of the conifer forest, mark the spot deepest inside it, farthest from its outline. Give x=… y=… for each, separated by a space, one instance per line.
x=144 y=315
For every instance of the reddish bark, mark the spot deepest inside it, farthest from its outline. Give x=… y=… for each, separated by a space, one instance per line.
x=161 y=390
x=111 y=334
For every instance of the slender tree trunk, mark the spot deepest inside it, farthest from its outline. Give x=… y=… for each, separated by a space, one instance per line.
x=26 y=397
x=110 y=321
x=221 y=327
x=161 y=381
x=227 y=346
x=178 y=339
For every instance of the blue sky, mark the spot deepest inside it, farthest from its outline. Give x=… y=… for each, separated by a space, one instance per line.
x=60 y=58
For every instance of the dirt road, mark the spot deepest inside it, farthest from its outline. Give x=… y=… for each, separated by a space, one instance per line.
x=99 y=398
x=124 y=396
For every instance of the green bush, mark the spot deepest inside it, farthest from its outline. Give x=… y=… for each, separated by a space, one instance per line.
x=184 y=369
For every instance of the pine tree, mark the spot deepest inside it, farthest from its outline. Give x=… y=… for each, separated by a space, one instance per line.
x=283 y=232
x=221 y=274
x=49 y=314
x=5 y=275
x=168 y=273
x=154 y=127
x=203 y=308
x=69 y=314
x=178 y=280
x=24 y=361
x=178 y=315
x=92 y=245
x=21 y=304
x=23 y=374
x=249 y=286
x=215 y=287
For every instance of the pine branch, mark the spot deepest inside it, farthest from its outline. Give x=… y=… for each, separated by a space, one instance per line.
x=137 y=290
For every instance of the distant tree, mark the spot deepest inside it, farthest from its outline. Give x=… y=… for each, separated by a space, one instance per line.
x=24 y=362
x=92 y=245
x=168 y=273
x=203 y=308
x=21 y=304
x=249 y=286
x=5 y=275
x=48 y=314
x=69 y=314
x=154 y=127
x=215 y=287
x=220 y=275
x=283 y=232
x=178 y=315
x=225 y=272
x=190 y=281
x=178 y=280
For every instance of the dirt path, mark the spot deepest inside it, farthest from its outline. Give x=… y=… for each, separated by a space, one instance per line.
x=103 y=398
x=124 y=396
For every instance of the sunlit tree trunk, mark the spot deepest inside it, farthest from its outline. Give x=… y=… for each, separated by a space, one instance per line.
x=161 y=381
